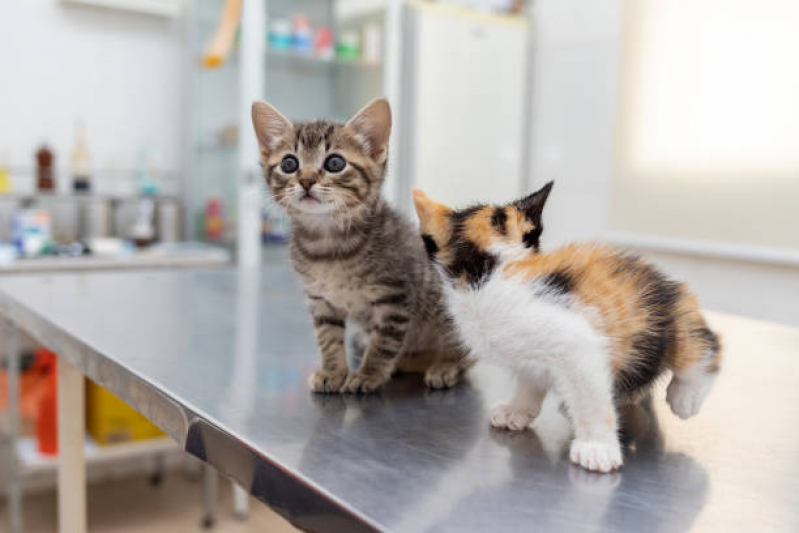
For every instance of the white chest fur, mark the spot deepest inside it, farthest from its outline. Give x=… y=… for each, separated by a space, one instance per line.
x=516 y=323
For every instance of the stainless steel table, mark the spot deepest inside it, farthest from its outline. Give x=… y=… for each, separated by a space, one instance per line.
x=219 y=360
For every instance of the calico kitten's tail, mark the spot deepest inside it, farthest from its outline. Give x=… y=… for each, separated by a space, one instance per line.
x=695 y=363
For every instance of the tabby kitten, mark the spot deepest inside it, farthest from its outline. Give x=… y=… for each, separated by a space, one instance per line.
x=595 y=324
x=359 y=261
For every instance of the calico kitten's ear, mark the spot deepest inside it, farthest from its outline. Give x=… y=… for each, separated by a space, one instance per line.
x=433 y=221
x=533 y=205
x=271 y=127
x=372 y=125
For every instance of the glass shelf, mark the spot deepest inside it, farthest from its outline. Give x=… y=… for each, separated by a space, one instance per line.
x=289 y=58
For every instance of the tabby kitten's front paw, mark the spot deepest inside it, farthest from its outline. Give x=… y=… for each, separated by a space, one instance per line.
x=326 y=380
x=363 y=383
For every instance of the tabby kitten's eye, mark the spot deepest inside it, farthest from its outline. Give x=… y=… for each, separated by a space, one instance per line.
x=335 y=163
x=289 y=165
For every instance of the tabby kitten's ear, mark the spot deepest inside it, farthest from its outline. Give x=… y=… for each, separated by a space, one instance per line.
x=533 y=205
x=433 y=221
x=372 y=125
x=271 y=127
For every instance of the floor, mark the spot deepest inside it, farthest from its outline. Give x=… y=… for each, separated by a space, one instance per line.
x=133 y=505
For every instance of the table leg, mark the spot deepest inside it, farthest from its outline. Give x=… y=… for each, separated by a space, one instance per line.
x=15 y=476
x=210 y=484
x=241 y=501
x=71 y=462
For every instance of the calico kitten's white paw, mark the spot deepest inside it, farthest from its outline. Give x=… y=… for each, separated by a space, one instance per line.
x=326 y=381
x=685 y=397
x=505 y=416
x=442 y=375
x=365 y=383
x=596 y=455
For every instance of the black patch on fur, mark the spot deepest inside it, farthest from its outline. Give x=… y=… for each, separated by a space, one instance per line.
x=392 y=332
x=658 y=300
x=533 y=206
x=459 y=217
x=467 y=258
x=354 y=190
x=710 y=341
x=313 y=134
x=532 y=239
x=330 y=343
x=297 y=132
x=361 y=171
x=383 y=353
x=336 y=254
x=328 y=321
x=430 y=245
x=392 y=283
x=710 y=338
x=391 y=299
x=499 y=219
x=328 y=134
x=472 y=262
x=397 y=319
x=559 y=282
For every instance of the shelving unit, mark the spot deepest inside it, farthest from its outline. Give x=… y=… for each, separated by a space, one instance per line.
x=32 y=462
x=302 y=86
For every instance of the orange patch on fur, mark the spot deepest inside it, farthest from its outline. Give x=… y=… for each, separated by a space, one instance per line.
x=478 y=228
x=612 y=303
x=433 y=217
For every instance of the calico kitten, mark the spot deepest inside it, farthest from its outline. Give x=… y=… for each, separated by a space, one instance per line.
x=358 y=260
x=596 y=324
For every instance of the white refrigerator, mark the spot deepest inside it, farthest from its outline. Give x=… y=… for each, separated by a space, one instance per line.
x=465 y=109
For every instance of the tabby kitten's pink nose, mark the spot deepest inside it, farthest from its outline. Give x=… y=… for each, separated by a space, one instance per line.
x=307 y=183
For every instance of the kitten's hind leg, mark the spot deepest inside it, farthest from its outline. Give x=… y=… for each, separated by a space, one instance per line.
x=525 y=405
x=584 y=381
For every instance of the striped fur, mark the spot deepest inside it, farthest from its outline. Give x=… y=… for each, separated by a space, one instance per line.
x=359 y=261
x=598 y=324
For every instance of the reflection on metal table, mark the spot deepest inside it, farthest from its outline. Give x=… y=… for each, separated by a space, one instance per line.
x=219 y=360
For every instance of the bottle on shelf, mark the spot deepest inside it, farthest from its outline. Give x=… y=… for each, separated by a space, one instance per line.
x=5 y=176
x=143 y=230
x=214 y=220
x=45 y=161
x=348 y=47
x=80 y=162
x=323 y=43
x=302 y=35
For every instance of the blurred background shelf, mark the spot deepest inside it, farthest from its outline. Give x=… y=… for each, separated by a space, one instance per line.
x=293 y=59
x=33 y=462
x=175 y=255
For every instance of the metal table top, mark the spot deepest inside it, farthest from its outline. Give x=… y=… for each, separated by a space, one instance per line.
x=219 y=360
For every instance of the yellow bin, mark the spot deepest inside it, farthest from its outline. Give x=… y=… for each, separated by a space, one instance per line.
x=109 y=420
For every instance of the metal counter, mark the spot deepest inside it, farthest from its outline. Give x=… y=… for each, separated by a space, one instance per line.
x=219 y=360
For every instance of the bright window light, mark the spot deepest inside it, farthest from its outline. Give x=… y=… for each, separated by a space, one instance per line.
x=712 y=86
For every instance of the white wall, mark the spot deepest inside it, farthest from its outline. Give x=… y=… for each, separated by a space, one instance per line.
x=575 y=111
x=576 y=54
x=120 y=73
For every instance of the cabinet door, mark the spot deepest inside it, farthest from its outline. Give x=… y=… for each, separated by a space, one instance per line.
x=467 y=102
